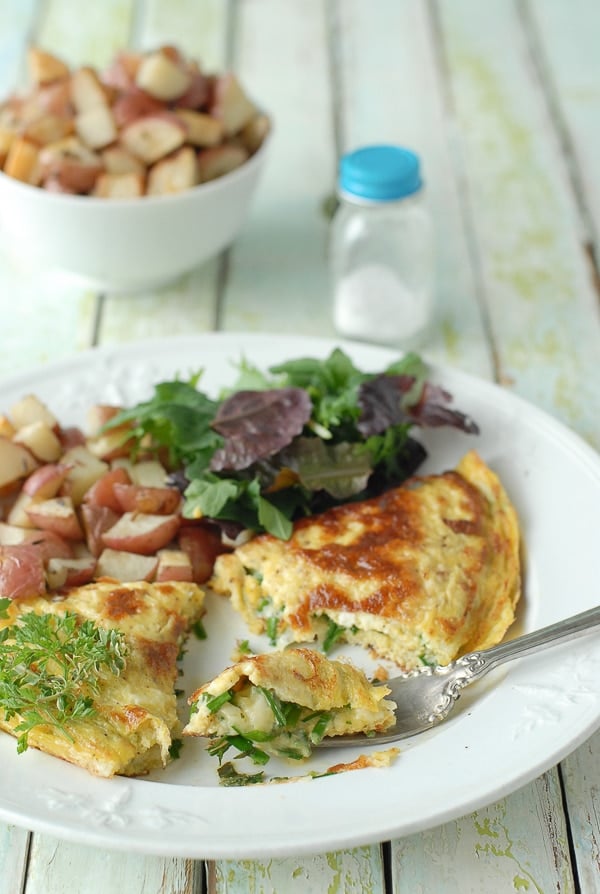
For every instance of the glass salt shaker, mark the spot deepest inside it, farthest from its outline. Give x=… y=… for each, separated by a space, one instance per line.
x=381 y=248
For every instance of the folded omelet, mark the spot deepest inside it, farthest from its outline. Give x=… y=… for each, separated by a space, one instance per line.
x=421 y=574
x=135 y=711
x=284 y=702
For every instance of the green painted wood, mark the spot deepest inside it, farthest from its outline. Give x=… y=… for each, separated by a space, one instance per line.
x=566 y=45
x=491 y=850
x=537 y=284
x=356 y=871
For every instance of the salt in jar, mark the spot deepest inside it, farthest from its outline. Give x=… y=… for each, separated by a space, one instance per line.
x=381 y=248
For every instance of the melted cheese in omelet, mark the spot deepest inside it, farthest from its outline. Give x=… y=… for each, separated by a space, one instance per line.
x=330 y=698
x=421 y=574
x=136 y=711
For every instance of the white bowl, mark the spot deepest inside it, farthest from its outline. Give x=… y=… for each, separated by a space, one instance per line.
x=125 y=244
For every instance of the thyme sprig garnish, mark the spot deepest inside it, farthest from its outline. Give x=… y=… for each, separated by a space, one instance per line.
x=51 y=668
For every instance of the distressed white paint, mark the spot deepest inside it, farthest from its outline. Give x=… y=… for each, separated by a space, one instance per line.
x=540 y=296
x=57 y=867
x=356 y=871
x=517 y=844
x=581 y=773
x=278 y=280
x=392 y=90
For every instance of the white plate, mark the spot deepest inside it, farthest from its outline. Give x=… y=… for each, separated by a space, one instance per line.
x=521 y=723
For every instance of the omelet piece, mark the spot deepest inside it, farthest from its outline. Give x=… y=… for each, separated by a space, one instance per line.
x=419 y=575
x=135 y=711
x=283 y=703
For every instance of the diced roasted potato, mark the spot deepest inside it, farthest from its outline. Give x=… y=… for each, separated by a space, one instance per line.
x=173 y=174
x=117 y=160
x=86 y=90
x=75 y=126
x=143 y=533
x=96 y=127
x=31 y=409
x=162 y=77
x=41 y=440
x=44 y=68
x=16 y=462
x=22 y=161
x=125 y=566
x=154 y=136
x=202 y=130
x=56 y=514
x=255 y=132
x=231 y=105
x=48 y=129
x=220 y=160
x=119 y=186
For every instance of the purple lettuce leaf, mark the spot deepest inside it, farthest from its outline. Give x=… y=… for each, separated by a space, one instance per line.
x=257 y=424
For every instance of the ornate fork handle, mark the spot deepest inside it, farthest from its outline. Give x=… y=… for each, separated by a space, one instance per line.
x=474 y=665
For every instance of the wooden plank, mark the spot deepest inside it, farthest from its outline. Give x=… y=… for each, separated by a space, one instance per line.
x=581 y=779
x=16 y=17
x=43 y=318
x=356 y=871
x=89 y=40
x=391 y=90
x=565 y=39
x=188 y=305
x=278 y=279
x=58 y=866
x=200 y=29
x=538 y=289
x=14 y=846
x=488 y=851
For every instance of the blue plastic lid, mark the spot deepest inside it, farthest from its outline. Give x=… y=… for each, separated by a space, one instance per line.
x=380 y=173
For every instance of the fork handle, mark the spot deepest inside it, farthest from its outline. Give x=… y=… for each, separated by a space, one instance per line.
x=569 y=628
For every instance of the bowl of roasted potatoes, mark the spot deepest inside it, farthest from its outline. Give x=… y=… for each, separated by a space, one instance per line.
x=127 y=177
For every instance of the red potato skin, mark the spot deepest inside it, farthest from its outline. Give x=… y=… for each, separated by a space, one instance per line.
x=67 y=527
x=96 y=520
x=46 y=481
x=134 y=104
x=170 y=573
x=152 y=500
x=203 y=544
x=50 y=544
x=71 y=436
x=21 y=572
x=79 y=577
x=104 y=491
x=145 y=543
x=197 y=94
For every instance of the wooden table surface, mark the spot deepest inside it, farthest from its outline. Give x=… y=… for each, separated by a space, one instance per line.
x=502 y=101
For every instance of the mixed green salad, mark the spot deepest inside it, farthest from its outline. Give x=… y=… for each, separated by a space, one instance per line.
x=291 y=441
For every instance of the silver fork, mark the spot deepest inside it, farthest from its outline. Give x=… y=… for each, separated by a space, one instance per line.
x=425 y=697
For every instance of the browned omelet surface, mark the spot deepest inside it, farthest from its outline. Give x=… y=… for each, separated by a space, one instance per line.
x=136 y=711
x=421 y=574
